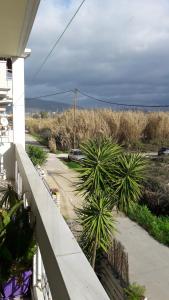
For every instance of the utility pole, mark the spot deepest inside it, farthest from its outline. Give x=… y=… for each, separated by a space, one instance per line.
x=74 y=116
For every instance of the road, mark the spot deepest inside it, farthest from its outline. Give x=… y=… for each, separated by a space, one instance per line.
x=59 y=176
x=148 y=259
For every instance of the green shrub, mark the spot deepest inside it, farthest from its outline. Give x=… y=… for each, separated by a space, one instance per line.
x=135 y=292
x=36 y=154
x=73 y=165
x=158 y=227
x=155 y=191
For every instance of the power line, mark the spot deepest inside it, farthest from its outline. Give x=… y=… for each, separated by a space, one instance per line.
x=97 y=99
x=44 y=96
x=120 y=104
x=49 y=95
x=57 y=41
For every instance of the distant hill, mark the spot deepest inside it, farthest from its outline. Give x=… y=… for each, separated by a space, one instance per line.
x=37 y=105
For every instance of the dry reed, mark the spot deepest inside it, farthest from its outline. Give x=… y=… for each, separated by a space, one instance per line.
x=126 y=127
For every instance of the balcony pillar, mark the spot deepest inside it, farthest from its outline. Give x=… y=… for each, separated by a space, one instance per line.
x=18 y=102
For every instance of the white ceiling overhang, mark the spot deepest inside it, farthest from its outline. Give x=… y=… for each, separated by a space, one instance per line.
x=16 y=20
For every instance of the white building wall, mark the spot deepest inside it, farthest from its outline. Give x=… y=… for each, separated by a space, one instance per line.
x=3 y=81
x=18 y=102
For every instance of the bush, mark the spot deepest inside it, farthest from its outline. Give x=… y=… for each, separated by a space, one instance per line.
x=52 y=145
x=158 y=227
x=155 y=197
x=135 y=292
x=36 y=154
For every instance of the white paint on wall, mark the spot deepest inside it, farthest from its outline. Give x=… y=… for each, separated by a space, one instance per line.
x=18 y=102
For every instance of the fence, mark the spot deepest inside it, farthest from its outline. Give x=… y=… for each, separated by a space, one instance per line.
x=114 y=271
x=118 y=259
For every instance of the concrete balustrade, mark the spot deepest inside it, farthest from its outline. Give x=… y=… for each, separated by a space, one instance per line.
x=66 y=268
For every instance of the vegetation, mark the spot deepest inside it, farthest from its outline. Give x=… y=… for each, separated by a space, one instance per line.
x=106 y=175
x=97 y=168
x=17 y=245
x=36 y=154
x=159 y=169
x=158 y=227
x=73 y=164
x=40 y=139
x=135 y=292
x=106 y=168
x=43 y=114
x=155 y=197
x=97 y=222
x=120 y=177
x=133 y=129
x=156 y=187
x=9 y=198
x=128 y=181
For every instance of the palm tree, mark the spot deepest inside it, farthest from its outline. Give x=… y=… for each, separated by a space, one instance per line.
x=107 y=169
x=107 y=178
x=98 y=226
x=128 y=177
x=97 y=167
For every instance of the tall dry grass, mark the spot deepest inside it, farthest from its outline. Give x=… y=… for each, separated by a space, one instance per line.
x=128 y=127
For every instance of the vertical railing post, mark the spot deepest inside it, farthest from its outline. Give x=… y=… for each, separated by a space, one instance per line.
x=39 y=266
x=16 y=175
x=39 y=276
x=19 y=184
x=18 y=90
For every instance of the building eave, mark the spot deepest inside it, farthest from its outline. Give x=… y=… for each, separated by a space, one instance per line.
x=16 y=21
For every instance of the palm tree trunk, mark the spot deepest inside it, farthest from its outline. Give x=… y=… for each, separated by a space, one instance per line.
x=94 y=254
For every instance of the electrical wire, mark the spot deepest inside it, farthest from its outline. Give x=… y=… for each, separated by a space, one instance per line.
x=49 y=95
x=57 y=41
x=96 y=99
x=42 y=96
x=120 y=104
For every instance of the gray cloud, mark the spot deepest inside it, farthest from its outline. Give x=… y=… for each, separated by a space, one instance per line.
x=114 y=49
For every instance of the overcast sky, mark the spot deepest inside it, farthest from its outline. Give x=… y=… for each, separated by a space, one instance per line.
x=114 y=49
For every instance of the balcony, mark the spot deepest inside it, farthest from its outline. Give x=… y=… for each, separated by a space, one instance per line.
x=60 y=270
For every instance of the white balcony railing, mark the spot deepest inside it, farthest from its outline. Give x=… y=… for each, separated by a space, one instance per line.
x=5 y=82
x=9 y=85
x=3 y=75
x=63 y=272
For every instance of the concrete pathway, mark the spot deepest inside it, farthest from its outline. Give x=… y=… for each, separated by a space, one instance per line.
x=148 y=259
x=60 y=176
x=29 y=139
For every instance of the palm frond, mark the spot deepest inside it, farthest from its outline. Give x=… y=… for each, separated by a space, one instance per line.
x=129 y=175
x=97 y=223
x=97 y=167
